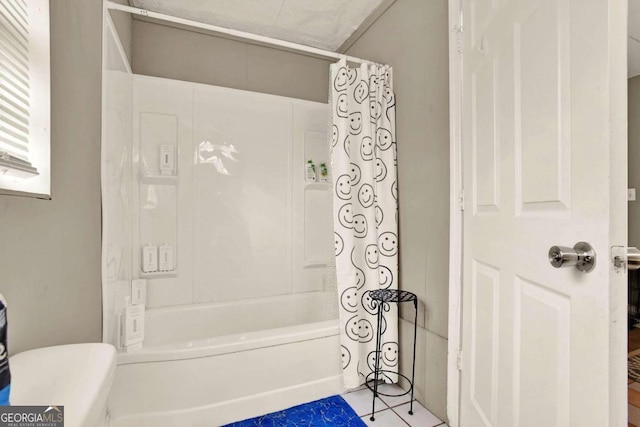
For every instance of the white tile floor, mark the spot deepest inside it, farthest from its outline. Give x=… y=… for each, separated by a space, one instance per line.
x=391 y=411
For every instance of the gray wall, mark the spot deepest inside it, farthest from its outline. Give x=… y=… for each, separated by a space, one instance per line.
x=412 y=36
x=173 y=53
x=124 y=26
x=50 y=250
x=634 y=156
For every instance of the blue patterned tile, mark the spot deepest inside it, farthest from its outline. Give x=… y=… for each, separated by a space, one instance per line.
x=330 y=412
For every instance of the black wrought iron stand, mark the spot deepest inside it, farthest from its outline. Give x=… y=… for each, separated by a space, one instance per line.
x=382 y=297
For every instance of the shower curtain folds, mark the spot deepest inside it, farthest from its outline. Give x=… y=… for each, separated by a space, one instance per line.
x=365 y=208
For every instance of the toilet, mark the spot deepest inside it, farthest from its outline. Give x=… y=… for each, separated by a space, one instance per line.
x=76 y=376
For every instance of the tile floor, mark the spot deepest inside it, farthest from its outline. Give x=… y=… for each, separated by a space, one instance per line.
x=391 y=411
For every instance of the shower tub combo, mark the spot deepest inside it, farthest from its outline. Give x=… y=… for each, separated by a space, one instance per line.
x=244 y=319
x=214 y=377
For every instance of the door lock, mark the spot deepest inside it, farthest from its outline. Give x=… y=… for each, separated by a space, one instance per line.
x=582 y=256
x=627 y=256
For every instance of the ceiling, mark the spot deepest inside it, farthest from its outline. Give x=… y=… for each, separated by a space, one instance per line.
x=325 y=24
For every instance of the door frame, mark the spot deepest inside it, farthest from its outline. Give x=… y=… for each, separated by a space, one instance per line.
x=618 y=13
x=456 y=205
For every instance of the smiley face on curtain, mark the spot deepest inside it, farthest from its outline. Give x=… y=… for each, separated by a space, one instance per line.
x=363 y=153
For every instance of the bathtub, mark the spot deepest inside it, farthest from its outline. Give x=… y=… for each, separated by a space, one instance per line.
x=212 y=364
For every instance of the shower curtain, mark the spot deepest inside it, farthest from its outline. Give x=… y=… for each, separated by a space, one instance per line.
x=365 y=210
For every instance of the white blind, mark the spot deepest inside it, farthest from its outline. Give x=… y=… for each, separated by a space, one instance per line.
x=14 y=87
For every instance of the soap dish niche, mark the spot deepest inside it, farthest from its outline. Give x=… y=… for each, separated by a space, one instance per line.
x=159 y=274
x=159 y=179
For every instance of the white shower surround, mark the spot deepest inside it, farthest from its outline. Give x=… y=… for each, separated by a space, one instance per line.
x=266 y=369
x=202 y=325
x=242 y=219
x=240 y=202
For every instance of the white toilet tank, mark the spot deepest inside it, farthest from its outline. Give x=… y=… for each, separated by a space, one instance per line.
x=77 y=376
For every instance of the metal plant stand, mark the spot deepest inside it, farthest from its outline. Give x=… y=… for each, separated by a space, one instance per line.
x=382 y=297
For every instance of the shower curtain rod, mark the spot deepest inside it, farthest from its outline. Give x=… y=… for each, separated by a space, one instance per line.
x=239 y=34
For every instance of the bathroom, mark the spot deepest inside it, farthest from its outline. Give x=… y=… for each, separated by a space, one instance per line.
x=53 y=251
x=75 y=208
x=158 y=49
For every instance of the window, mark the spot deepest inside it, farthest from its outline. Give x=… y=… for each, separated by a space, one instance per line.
x=24 y=98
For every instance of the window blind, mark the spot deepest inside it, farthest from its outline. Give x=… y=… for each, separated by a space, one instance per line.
x=15 y=91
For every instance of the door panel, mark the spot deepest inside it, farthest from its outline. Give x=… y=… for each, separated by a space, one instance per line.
x=542 y=107
x=537 y=142
x=484 y=340
x=485 y=137
x=541 y=354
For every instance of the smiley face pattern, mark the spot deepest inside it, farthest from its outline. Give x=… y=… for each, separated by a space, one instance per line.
x=364 y=174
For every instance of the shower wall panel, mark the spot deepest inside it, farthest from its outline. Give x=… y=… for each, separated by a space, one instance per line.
x=237 y=210
x=116 y=213
x=163 y=115
x=242 y=195
x=312 y=213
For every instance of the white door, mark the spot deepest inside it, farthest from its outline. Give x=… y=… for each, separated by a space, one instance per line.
x=544 y=164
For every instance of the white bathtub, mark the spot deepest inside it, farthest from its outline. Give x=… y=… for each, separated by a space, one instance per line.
x=212 y=364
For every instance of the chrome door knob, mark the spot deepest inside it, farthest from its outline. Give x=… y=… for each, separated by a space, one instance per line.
x=582 y=256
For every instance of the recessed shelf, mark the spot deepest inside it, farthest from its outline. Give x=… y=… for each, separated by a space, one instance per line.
x=159 y=179
x=159 y=274
x=314 y=264
x=317 y=185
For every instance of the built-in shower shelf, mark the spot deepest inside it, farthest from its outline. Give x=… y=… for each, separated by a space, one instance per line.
x=314 y=264
x=317 y=185
x=159 y=274
x=159 y=179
